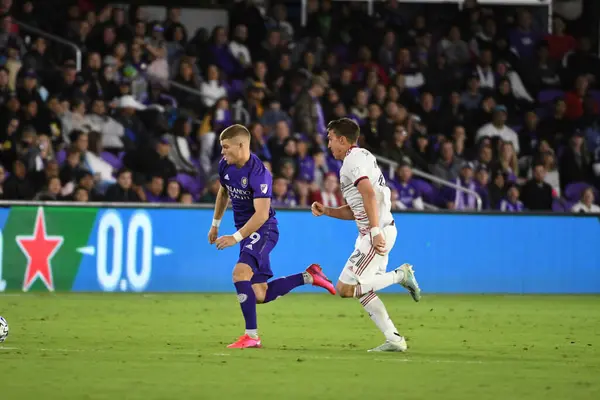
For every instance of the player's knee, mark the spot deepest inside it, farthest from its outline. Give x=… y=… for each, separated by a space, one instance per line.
x=241 y=272
x=344 y=290
x=260 y=296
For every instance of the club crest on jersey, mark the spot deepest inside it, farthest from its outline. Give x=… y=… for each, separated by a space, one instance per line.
x=355 y=171
x=263 y=188
x=244 y=182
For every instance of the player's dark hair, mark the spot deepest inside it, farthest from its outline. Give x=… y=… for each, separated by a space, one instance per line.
x=235 y=131
x=345 y=127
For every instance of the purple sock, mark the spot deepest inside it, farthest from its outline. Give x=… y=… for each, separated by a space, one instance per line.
x=284 y=285
x=247 y=300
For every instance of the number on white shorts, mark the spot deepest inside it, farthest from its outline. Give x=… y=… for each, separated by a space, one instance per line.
x=357 y=257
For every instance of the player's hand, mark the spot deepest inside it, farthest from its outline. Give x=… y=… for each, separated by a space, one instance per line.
x=379 y=244
x=212 y=234
x=225 y=241
x=317 y=209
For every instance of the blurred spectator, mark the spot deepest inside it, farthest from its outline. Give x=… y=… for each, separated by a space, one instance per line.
x=147 y=163
x=409 y=196
x=282 y=196
x=586 y=204
x=122 y=191
x=575 y=98
x=482 y=182
x=154 y=190
x=456 y=199
x=537 y=194
x=512 y=203
x=211 y=89
x=173 y=192
x=497 y=128
x=17 y=186
x=211 y=191
x=575 y=163
x=559 y=42
x=448 y=167
x=308 y=111
x=330 y=194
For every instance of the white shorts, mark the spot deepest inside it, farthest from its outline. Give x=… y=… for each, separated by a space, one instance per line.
x=364 y=263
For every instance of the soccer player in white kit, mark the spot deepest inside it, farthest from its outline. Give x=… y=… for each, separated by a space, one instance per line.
x=369 y=204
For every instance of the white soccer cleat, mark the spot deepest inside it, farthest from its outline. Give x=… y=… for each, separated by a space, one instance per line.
x=409 y=282
x=389 y=346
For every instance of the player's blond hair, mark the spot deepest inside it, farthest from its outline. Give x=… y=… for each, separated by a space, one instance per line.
x=235 y=131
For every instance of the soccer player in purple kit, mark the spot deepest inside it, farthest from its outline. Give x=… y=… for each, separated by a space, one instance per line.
x=246 y=181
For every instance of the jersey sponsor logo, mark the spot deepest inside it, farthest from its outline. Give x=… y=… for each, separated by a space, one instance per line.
x=264 y=187
x=239 y=194
x=244 y=182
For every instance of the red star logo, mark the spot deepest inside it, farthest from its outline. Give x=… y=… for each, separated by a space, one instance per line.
x=39 y=250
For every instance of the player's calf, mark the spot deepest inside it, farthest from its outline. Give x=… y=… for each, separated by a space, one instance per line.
x=345 y=290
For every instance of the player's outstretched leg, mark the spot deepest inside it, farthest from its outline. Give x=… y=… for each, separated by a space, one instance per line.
x=403 y=275
x=313 y=275
x=242 y=273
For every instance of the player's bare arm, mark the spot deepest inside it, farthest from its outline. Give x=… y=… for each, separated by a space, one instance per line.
x=344 y=212
x=260 y=216
x=365 y=188
x=220 y=206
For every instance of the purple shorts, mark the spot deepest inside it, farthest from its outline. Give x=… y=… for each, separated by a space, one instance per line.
x=255 y=251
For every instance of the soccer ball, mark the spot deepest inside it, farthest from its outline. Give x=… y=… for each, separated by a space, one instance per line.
x=3 y=329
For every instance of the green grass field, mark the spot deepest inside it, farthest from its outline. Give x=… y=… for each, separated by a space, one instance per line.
x=83 y=346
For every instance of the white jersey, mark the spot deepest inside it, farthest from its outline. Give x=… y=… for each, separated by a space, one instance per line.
x=360 y=164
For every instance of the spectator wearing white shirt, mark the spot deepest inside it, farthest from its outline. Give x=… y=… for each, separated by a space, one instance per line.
x=497 y=128
x=112 y=132
x=238 y=47
x=211 y=89
x=586 y=204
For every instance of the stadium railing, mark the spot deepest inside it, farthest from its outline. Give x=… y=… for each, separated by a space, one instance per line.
x=53 y=38
x=392 y=165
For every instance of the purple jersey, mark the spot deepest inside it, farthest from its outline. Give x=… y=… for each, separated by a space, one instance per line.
x=252 y=181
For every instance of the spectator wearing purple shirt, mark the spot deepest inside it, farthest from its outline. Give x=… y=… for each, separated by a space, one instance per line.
x=287 y=169
x=258 y=143
x=523 y=39
x=408 y=194
x=154 y=190
x=512 y=203
x=482 y=180
x=173 y=192
x=306 y=163
x=458 y=199
x=282 y=196
x=221 y=54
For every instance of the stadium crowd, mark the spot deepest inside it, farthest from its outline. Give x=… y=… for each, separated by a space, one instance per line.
x=481 y=97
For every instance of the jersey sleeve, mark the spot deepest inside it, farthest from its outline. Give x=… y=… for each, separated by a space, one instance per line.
x=356 y=168
x=261 y=182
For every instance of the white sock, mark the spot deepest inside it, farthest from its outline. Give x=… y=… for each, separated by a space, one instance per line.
x=253 y=333
x=379 y=282
x=376 y=309
x=308 y=279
